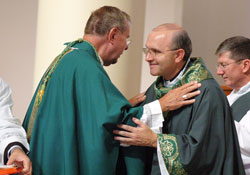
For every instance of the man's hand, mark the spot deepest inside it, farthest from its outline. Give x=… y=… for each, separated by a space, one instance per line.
x=141 y=135
x=179 y=97
x=19 y=158
x=137 y=99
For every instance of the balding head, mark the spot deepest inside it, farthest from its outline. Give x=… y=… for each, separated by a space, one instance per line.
x=178 y=37
x=168 y=26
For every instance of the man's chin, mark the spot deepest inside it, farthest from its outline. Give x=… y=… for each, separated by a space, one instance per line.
x=115 y=61
x=154 y=73
x=109 y=63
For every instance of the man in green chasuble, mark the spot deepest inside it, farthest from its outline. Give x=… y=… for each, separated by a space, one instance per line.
x=76 y=107
x=198 y=139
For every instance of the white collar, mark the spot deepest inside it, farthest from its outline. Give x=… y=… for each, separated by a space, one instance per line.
x=243 y=89
x=168 y=83
x=234 y=95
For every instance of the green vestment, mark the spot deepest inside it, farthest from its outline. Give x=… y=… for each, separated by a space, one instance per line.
x=240 y=107
x=199 y=139
x=73 y=125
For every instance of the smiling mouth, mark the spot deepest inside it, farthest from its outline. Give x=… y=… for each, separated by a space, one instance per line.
x=152 y=64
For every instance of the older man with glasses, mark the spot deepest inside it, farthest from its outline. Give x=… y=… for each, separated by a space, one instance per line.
x=234 y=67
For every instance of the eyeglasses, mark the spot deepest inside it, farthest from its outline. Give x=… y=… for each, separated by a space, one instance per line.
x=223 y=66
x=128 y=41
x=154 y=53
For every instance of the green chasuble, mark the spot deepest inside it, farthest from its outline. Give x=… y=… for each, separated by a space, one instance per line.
x=72 y=116
x=199 y=139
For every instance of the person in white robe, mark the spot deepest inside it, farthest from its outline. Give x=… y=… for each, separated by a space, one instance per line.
x=13 y=141
x=234 y=67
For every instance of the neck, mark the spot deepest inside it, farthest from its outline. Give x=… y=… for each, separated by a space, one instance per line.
x=243 y=83
x=99 y=43
x=178 y=69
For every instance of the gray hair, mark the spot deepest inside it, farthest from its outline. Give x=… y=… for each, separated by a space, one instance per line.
x=181 y=40
x=105 y=18
x=238 y=46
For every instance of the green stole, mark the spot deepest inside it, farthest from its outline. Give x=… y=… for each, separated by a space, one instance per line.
x=195 y=71
x=240 y=107
x=44 y=82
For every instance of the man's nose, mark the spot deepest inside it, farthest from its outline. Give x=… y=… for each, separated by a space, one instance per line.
x=219 y=71
x=148 y=57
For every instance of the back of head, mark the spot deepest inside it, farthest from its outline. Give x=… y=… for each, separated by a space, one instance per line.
x=103 y=19
x=238 y=46
x=181 y=40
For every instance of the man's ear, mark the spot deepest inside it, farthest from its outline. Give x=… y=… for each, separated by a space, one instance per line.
x=179 y=55
x=112 y=34
x=246 y=65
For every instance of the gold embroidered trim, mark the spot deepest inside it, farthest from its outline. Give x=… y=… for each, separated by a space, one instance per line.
x=170 y=154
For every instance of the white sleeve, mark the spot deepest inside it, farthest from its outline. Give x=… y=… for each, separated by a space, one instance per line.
x=243 y=132
x=152 y=116
x=162 y=164
x=11 y=130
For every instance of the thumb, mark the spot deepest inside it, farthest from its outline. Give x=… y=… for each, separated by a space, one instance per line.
x=10 y=161
x=25 y=166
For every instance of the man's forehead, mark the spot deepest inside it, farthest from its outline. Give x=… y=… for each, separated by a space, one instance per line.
x=225 y=56
x=159 y=35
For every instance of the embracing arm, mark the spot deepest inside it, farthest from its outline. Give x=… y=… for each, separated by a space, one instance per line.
x=179 y=97
x=141 y=135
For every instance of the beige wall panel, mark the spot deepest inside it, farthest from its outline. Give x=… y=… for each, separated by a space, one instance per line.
x=17 y=33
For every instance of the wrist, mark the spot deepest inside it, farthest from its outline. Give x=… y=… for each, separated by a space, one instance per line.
x=164 y=107
x=15 y=148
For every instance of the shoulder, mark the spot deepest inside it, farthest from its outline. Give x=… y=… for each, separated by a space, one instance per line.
x=212 y=92
x=211 y=85
x=81 y=62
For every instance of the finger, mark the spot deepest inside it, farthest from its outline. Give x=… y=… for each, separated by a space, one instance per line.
x=26 y=166
x=141 y=98
x=126 y=127
x=191 y=88
x=30 y=169
x=138 y=122
x=187 y=102
x=10 y=162
x=193 y=94
x=141 y=94
x=122 y=139
x=123 y=133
